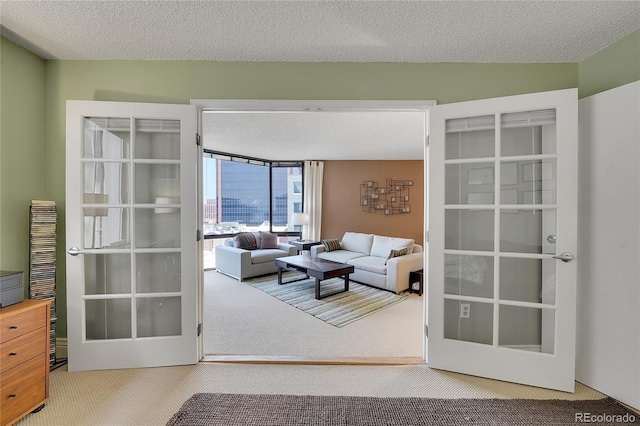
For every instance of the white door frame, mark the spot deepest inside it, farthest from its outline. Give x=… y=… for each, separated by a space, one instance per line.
x=301 y=106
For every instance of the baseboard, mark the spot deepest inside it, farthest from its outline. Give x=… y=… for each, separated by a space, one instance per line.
x=61 y=348
x=272 y=359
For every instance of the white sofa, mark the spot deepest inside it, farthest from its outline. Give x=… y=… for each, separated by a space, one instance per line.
x=240 y=263
x=368 y=254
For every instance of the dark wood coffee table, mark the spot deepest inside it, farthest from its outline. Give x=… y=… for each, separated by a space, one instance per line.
x=317 y=268
x=303 y=245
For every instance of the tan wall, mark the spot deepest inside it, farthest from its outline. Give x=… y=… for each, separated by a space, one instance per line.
x=341 y=210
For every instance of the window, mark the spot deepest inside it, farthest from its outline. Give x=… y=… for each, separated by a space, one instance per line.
x=243 y=194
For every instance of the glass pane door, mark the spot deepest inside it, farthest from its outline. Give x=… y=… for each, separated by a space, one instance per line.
x=503 y=179
x=133 y=288
x=499 y=222
x=131 y=212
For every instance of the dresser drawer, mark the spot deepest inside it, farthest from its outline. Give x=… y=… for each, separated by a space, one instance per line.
x=22 y=348
x=22 y=389
x=21 y=323
x=12 y=326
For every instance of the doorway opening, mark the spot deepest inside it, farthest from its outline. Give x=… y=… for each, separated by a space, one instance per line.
x=250 y=323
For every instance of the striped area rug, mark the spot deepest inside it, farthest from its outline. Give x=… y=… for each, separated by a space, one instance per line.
x=338 y=310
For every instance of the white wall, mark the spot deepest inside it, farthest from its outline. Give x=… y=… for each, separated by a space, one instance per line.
x=608 y=322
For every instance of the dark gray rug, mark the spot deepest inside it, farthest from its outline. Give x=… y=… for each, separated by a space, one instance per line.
x=295 y=410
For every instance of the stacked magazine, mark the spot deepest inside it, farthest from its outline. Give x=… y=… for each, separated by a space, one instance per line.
x=42 y=260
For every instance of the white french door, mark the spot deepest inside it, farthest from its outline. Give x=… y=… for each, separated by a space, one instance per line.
x=131 y=234
x=502 y=234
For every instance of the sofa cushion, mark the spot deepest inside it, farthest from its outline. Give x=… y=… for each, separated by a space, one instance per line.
x=268 y=241
x=341 y=256
x=397 y=253
x=331 y=244
x=360 y=243
x=373 y=264
x=266 y=255
x=383 y=245
x=245 y=240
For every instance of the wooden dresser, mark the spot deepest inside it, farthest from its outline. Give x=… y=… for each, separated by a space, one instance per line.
x=24 y=359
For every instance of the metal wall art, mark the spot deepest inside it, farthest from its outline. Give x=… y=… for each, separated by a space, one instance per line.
x=390 y=199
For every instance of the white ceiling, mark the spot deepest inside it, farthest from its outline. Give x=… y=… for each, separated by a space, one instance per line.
x=317 y=135
x=319 y=31
x=327 y=31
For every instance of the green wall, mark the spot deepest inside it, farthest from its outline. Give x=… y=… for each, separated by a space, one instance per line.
x=614 y=66
x=180 y=81
x=22 y=156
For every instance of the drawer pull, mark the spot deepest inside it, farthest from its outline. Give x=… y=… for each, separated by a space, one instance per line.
x=12 y=395
x=13 y=354
x=13 y=327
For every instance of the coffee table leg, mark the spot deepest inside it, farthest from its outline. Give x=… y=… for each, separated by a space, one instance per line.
x=279 y=275
x=346 y=288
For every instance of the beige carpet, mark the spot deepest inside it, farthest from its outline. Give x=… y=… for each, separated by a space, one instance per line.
x=241 y=320
x=151 y=396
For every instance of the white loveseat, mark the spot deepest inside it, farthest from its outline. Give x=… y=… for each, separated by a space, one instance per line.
x=369 y=253
x=240 y=263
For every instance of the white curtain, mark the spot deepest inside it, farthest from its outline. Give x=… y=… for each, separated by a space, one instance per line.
x=313 y=199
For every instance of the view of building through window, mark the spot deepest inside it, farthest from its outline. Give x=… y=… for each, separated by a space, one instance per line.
x=243 y=196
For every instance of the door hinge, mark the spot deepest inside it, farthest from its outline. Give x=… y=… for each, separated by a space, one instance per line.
x=426 y=236
x=426 y=330
x=198 y=235
x=199 y=329
x=198 y=139
x=426 y=141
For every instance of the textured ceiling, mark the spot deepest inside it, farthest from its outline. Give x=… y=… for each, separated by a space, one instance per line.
x=319 y=31
x=313 y=31
x=317 y=135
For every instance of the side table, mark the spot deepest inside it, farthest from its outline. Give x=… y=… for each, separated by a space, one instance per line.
x=303 y=245
x=416 y=277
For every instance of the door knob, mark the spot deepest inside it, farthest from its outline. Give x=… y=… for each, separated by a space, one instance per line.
x=74 y=251
x=565 y=257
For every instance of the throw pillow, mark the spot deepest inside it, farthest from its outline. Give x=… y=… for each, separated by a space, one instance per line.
x=397 y=253
x=268 y=241
x=331 y=244
x=245 y=240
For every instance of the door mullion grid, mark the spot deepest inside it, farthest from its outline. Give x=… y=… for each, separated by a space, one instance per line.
x=132 y=228
x=473 y=160
x=496 y=233
x=81 y=188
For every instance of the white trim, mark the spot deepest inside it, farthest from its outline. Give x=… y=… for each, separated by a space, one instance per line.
x=254 y=105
